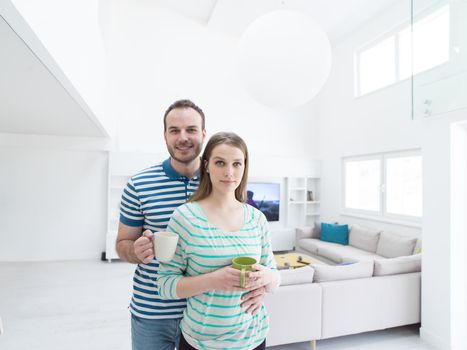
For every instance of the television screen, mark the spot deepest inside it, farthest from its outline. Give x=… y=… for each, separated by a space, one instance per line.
x=265 y=196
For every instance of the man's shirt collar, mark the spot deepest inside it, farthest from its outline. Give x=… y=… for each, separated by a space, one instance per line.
x=174 y=174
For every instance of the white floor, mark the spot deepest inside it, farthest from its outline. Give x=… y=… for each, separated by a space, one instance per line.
x=83 y=305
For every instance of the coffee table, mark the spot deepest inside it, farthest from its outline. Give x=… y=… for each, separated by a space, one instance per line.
x=294 y=260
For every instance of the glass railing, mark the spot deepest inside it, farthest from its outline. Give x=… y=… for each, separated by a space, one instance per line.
x=438 y=57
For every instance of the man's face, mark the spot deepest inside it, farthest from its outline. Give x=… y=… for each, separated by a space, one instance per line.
x=184 y=134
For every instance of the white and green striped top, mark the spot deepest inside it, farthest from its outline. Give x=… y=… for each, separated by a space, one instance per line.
x=215 y=320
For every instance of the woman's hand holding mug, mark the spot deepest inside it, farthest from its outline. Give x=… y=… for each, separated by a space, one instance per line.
x=244 y=264
x=226 y=278
x=261 y=276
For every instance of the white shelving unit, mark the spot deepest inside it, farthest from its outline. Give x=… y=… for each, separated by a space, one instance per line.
x=303 y=203
x=312 y=210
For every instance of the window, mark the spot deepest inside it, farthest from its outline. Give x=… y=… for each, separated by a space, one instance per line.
x=387 y=185
x=404 y=185
x=406 y=51
x=362 y=184
x=377 y=66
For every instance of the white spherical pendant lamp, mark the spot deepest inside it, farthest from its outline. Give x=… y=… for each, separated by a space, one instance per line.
x=284 y=59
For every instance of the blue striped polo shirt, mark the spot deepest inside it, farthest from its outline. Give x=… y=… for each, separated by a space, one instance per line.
x=149 y=200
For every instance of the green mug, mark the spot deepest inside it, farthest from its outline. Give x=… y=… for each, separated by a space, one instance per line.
x=243 y=263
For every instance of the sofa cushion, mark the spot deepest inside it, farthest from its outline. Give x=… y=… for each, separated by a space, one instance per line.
x=335 y=233
x=340 y=253
x=309 y=244
x=401 y=264
x=335 y=252
x=297 y=276
x=332 y=253
x=362 y=257
x=392 y=246
x=314 y=245
x=364 y=238
x=324 y=273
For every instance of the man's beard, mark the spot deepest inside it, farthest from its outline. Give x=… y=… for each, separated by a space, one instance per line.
x=194 y=154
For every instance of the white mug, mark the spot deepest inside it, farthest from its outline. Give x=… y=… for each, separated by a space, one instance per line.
x=165 y=244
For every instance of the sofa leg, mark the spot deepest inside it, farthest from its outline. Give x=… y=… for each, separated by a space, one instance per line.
x=313 y=344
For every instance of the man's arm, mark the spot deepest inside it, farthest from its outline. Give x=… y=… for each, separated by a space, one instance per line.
x=132 y=246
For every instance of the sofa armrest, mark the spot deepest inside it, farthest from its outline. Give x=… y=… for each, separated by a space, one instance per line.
x=294 y=314
x=303 y=232
x=306 y=232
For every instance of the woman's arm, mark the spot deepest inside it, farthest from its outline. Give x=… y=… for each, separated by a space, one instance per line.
x=227 y=279
x=173 y=285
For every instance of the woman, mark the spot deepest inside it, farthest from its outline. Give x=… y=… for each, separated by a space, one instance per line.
x=215 y=226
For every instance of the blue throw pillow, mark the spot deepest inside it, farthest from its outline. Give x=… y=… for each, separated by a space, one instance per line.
x=335 y=233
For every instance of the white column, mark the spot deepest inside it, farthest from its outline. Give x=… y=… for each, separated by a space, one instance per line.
x=458 y=236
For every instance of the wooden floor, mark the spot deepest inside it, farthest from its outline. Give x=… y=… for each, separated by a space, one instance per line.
x=82 y=305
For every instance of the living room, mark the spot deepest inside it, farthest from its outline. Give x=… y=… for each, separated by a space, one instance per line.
x=124 y=63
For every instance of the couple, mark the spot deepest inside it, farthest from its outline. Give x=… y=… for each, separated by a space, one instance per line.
x=213 y=227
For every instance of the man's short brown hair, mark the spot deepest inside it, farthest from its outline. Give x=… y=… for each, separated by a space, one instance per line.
x=184 y=104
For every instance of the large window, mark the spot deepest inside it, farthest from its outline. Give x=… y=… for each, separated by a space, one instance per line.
x=405 y=51
x=387 y=185
x=362 y=184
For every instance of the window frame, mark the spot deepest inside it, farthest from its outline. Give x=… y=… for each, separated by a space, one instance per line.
x=394 y=32
x=381 y=213
x=400 y=154
x=343 y=194
x=371 y=44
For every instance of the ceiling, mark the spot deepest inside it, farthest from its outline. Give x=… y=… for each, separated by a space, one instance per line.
x=338 y=17
x=35 y=95
x=37 y=98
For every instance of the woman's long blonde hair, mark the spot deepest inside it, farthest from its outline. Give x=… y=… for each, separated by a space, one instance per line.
x=205 y=186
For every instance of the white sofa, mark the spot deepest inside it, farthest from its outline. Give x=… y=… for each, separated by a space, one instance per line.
x=369 y=292
x=364 y=244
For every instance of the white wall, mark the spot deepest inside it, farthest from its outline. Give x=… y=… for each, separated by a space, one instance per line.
x=441 y=303
x=444 y=279
x=158 y=56
x=436 y=301
x=155 y=56
x=53 y=189
x=378 y=122
x=382 y=122
x=71 y=32
x=52 y=195
x=458 y=236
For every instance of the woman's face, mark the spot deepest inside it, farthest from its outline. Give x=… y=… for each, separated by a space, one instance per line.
x=225 y=167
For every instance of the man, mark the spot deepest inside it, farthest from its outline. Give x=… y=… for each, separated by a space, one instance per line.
x=148 y=202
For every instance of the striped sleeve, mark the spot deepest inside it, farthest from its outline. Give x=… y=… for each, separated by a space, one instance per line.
x=130 y=207
x=170 y=273
x=267 y=255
